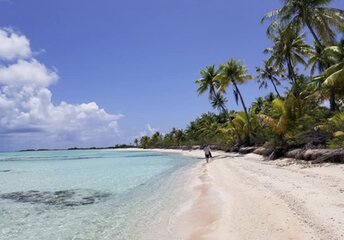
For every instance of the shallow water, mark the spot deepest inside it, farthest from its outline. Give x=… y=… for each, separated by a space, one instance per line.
x=100 y=194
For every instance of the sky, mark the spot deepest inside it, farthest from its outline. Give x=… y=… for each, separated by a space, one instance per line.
x=99 y=73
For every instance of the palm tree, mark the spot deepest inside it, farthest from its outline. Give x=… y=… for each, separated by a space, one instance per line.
x=156 y=139
x=208 y=128
x=258 y=105
x=268 y=73
x=136 y=142
x=242 y=124
x=333 y=77
x=320 y=60
x=288 y=50
x=233 y=72
x=336 y=53
x=320 y=20
x=144 y=142
x=280 y=121
x=208 y=83
x=336 y=126
x=179 y=136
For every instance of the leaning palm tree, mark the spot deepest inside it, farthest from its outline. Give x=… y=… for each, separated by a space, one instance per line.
x=268 y=73
x=321 y=20
x=208 y=83
x=289 y=49
x=234 y=73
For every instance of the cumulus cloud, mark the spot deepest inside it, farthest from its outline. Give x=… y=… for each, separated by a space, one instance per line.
x=25 y=73
x=28 y=117
x=13 y=45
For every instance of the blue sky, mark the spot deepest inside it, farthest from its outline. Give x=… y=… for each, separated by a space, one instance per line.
x=136 y=60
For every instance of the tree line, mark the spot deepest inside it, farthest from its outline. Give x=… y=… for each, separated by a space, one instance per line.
x=309 y=113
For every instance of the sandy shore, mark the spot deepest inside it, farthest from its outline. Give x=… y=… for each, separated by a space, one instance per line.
x=244 y=197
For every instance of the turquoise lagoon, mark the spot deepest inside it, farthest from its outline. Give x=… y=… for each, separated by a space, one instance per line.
x=90 y=194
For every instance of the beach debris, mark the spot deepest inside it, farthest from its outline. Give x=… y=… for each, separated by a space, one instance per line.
x=246 y=150
x=64 y=198
x=317 y=155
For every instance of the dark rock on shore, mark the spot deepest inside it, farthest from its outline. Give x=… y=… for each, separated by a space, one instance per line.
x=257 y=150
x=263 y=151
x=246 y=150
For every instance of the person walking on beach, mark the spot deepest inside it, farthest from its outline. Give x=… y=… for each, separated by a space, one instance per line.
x=207 y=153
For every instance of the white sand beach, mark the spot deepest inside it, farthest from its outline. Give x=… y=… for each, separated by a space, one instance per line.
x=244 y=197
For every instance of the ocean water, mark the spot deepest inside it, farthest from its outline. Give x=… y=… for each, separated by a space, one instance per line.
x=90 y=194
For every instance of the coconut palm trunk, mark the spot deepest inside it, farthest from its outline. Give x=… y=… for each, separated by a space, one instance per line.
x=206 y=83
x=232 y=124
x=332 y=97
x=292 y=76
x=275 y=87
x=234 y=72
x=316 y=39
x=245 y=110
x=268 y=73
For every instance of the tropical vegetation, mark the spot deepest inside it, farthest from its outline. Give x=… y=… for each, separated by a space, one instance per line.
x=306 y=112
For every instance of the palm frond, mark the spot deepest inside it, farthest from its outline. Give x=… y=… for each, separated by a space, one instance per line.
x=271 y=15
x=336 y=79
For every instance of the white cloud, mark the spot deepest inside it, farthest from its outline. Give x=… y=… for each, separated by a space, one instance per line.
x=29 y=119
x=148 y=131
x=25 y=73
x=13 y=45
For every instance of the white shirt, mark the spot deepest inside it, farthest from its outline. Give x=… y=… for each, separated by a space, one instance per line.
x=206 y=150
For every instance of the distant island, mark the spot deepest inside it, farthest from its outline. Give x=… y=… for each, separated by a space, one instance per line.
x=117 y=146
